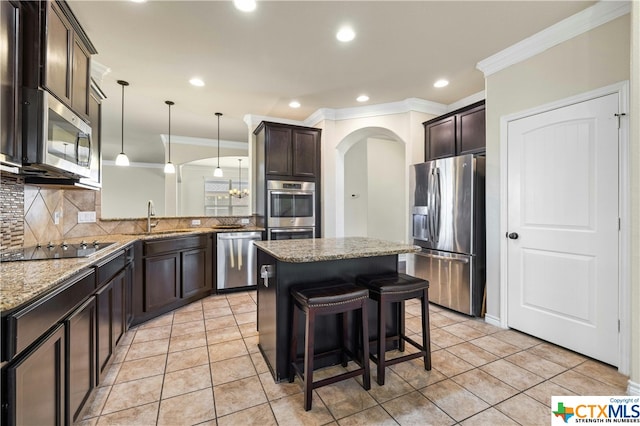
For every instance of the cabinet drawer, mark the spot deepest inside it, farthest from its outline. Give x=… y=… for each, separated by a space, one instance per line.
x=152 y=248
x=27 y=325
x=109 y=267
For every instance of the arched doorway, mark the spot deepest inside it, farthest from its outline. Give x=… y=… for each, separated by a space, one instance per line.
x=372 y=168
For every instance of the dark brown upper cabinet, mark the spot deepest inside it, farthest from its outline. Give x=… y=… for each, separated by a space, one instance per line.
x=456 y=133
x=58 y=54
x=289 y=151
x=10 y=81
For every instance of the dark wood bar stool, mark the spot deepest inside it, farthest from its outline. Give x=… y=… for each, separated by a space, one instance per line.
x=397 y=288
x=330 y=299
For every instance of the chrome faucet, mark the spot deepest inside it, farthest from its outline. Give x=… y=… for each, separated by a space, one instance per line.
x=151 y=211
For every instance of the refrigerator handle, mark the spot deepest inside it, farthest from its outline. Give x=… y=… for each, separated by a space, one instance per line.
x=431 y=204
x=437 y=205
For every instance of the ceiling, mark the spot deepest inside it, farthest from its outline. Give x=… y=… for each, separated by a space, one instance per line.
x=256 y=63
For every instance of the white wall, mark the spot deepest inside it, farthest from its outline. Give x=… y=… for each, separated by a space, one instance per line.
x=388 y=213
x=374 y=190
x=589 y=61
x=356 y=184
x=338 y=136
x=129 y=189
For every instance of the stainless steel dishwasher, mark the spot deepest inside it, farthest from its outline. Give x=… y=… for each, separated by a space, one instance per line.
x=237 y=259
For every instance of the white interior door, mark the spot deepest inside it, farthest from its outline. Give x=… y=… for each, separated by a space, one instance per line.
x=563 y=226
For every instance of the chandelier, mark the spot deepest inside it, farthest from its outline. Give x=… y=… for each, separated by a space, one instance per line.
x=238 y=192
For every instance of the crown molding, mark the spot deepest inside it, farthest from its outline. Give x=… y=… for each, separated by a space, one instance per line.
x=135 y=164
x=466 y=101
x=586 y=20
x=187 y=140
x=337 y=114
x=98 y=71
x=252 y=120
x=400 y=107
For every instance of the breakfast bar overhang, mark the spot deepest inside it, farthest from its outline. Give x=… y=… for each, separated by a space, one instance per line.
x=284 y=263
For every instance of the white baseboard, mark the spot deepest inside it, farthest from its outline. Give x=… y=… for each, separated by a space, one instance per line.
x=633 y=388
x=490 y=319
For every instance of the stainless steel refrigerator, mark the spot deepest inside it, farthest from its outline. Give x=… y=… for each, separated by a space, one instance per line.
x=449 y=225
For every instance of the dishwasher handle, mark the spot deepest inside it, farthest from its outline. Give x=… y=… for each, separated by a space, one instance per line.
x=240 y=237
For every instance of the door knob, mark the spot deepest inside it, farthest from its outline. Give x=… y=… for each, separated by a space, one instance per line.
x=513 y=235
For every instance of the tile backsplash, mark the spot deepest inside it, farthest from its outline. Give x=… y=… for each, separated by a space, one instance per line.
x=11 y=211
x=32 y=215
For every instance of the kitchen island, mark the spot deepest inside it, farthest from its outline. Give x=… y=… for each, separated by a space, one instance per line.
x=284 y=263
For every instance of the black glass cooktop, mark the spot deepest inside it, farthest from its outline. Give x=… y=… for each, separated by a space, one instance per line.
x=53 y=251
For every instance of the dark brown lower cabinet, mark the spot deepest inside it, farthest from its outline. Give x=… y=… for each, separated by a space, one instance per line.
x=162 y=281
x=110 y=321
x=194 y=272
x=80 y=360
x=36 y=383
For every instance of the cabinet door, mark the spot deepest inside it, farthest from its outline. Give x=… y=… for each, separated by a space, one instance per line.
x=119 y=320
x=278 y=151
x=195 y=279
x=57 y=73
x=161 y=281
x=305 y=145
x=80 y=79
x=36 y=383
x=10 y=143
x=471 y=131
x=130 y=277
x=110 y=321
x=440 y=138
x=80 y=334
x=104 y=330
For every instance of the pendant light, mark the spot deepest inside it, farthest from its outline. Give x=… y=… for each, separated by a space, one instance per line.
x=122 y=159
x=218 y=171
x=239 y=192
x=169 y=168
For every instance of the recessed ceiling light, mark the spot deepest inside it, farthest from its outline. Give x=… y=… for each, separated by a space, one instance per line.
x=346 y=34
x=196 y=82
x=362 y=98
x=245 y=5
x=441 y=83
x=294 y=104
x=139 y=1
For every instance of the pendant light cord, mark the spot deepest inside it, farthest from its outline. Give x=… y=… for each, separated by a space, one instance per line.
x=169 y=132
x=122 y=83
x=122 y=122
x=218 y=114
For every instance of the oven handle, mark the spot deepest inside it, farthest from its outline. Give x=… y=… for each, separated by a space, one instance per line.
x=291 y=230
x=291 y=192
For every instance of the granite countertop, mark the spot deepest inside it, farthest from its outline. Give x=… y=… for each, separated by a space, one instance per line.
x=23 y=281
x=321 y=249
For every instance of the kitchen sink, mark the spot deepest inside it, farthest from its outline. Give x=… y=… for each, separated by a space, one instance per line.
x=168 y=231
x=236 y=226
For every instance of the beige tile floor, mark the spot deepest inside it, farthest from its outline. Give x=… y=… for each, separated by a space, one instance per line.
x=201 y=365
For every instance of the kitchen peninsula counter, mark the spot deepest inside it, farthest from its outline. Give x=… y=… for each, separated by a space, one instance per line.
x=21 y=282
x=282 y=264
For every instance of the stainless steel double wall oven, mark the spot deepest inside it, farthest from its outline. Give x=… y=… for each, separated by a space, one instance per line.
x=291 y=207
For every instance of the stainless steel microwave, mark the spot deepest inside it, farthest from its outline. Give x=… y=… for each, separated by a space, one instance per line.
x=56 y=141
